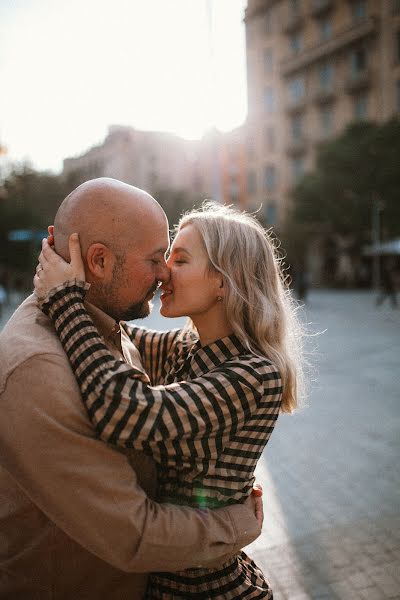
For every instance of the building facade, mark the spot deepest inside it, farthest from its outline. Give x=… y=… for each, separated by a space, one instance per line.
x=313 y=67
x=213 y=167
x=150 y=160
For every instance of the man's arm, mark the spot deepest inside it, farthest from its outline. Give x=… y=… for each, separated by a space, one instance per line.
x=89 y=490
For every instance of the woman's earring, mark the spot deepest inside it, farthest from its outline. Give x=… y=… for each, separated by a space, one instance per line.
x=219 y=298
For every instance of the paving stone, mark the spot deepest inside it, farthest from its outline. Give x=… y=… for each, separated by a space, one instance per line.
x=372 y=593
x=360 y=581
x=345 y=591
x=387 y=583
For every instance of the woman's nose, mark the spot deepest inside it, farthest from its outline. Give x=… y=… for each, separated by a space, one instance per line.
x=164 y=274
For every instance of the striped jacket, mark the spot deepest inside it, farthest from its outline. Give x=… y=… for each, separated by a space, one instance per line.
x=205 y=414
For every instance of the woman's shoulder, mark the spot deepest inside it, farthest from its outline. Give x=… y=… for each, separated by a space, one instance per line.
x=258 y=364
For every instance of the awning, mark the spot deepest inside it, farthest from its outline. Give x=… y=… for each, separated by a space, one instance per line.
x=391 y=247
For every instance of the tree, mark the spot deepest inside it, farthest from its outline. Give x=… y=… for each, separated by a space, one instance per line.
x=353 y=172
x=28 y=201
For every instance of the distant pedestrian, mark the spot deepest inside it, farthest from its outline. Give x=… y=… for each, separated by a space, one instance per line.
x=3 y=299
x=387 y=285
x=301 y=281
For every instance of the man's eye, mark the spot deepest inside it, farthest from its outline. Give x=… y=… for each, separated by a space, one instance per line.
x=155 y=262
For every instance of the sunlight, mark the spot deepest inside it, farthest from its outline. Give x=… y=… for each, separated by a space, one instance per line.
x=72 y=69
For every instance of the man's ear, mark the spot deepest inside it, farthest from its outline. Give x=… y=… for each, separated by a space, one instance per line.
x=98 y=260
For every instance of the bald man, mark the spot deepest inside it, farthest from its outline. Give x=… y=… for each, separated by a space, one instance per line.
x=76 y=516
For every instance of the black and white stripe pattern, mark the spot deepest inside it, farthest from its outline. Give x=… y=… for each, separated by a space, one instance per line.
x=205 y=417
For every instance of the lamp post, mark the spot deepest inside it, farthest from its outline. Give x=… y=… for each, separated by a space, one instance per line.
x=377 y=207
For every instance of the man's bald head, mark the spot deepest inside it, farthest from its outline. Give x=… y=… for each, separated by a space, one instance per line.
x=104 y=210
x=124 y=237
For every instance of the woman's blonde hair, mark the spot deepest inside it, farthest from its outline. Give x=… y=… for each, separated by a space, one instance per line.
x=258 y=305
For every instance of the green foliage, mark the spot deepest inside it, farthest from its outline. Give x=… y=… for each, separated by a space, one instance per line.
x=29 y=201
x=352 y=172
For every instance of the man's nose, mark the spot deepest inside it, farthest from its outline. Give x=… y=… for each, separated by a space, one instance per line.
x=164 y=274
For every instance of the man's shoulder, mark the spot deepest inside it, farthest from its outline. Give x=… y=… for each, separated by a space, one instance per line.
x=28 y=335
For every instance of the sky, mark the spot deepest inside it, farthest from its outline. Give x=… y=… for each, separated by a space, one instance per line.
x=71 y=68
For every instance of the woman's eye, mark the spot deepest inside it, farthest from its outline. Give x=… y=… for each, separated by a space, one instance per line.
x=179 y=262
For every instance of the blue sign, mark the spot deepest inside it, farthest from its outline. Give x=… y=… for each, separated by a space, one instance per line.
x=26 y=235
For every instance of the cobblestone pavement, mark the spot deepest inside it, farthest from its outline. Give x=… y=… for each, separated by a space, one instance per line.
x=331 y=471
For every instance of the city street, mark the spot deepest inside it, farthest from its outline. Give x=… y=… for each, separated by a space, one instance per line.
x=331 y=472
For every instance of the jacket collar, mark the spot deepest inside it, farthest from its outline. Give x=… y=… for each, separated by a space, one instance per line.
x=205 y=358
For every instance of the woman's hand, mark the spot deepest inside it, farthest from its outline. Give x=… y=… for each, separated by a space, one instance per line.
x=53 y=270
x=255 y=504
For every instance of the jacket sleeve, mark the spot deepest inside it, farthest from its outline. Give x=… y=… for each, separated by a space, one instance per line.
x=154 y=348
x=88 y=489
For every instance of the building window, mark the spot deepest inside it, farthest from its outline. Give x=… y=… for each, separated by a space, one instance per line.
x=358 y=61
x=296 y=43
x=268 y=61
x=296 y=89
x=251 y=151
x=297 y=127
x=270 y=138
x=252 y=27
x=398 y=95
x=270 y=178
x=325 y=29
x=251 y=183
x=326 y=76
x=268 y=23
x=271 y=213
x=326 y=119
x=233 y=190
x=295 y=6
x=361 y=107
x=269 y=100
x=233 y=169
x=359 y=9
x=297 y=167
x=397 y=50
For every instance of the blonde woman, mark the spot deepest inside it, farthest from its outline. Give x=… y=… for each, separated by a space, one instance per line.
x=214 y=390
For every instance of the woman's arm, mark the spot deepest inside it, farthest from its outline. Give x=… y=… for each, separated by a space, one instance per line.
x=128 y=412
x=154 y=348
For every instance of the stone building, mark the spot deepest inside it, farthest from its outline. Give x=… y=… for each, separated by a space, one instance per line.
x=313 y=67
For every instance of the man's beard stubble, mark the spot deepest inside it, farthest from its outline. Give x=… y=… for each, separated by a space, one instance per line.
x=109 y=297
x=140 y=310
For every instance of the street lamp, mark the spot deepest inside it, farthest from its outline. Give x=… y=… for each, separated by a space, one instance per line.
x=377 y=208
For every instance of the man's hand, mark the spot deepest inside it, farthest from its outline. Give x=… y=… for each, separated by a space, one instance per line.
x=50 y=237
x=254 y=502
x=53 y=270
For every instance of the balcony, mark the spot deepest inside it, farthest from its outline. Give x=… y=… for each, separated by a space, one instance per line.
x=322 y=137
x=293 y=22
x=295 y=106
x=256 y=8
x=295 y=147
x=324 y=95
x=320 y=7
x=357 y=82
x=364 y=28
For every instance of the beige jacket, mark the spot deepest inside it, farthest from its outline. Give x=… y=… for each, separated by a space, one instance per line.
x=74 y=521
